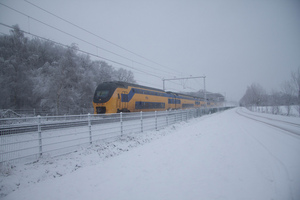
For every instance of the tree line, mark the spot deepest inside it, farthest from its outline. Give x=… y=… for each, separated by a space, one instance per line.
x=288 y=96
x=41 y=75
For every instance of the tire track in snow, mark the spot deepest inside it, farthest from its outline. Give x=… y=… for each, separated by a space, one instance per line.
x=288 y=130
x=272 y=119
x=281 y=163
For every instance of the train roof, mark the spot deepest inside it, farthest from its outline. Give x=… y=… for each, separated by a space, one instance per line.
x=125 y=85
x=186 y=95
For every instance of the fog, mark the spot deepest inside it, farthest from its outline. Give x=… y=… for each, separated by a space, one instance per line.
x=232 y=43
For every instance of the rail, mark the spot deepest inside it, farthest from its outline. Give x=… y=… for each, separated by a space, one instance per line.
x=29 y=139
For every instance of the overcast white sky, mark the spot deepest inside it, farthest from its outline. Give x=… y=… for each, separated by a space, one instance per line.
x=234 y=43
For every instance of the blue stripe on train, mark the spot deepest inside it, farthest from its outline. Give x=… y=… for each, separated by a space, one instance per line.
x=128 y=97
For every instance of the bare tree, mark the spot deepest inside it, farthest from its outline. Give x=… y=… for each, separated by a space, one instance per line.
x=288 y=92
x=254 y=96
x=124 y=75
x=296 y=86
x=274 y=101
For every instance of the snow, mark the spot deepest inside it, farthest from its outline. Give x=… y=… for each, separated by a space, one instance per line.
x=219 y=156
x=278 y=110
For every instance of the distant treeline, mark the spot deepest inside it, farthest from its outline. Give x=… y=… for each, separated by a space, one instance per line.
x=41 y=75
x=288 y=96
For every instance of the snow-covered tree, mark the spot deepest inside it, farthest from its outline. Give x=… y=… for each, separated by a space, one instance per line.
x=43 y=75
x=255 y=96
x=14 y=70
x=124 y=75
x=296 y=86
x=288 y=94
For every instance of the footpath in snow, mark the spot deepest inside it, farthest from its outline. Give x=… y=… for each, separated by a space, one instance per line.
x=219 y=156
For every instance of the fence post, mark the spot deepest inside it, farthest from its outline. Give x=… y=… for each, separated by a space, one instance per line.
x=155 y=120
x=167 y=117
x=121 y=121
x=187 y=115
x=40 y=135
x=90 y=127
x=141 y=121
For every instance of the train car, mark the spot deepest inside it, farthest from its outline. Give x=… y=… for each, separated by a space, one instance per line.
x=116 y=96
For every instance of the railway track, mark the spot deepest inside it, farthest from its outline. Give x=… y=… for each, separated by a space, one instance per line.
x=289 y=127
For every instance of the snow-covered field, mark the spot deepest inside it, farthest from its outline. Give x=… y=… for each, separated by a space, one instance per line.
x=278 y=110
x=218 y=156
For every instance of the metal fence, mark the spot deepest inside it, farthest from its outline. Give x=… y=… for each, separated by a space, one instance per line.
x=11 y=113
x=27 y=139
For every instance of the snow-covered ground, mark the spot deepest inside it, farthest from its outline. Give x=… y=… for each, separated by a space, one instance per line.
x=219 y=156
x=278 y=110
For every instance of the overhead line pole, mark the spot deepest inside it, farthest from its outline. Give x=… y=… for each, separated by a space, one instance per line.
x=169 y=79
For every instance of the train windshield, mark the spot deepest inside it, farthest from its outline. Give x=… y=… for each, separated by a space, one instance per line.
x=101 y=94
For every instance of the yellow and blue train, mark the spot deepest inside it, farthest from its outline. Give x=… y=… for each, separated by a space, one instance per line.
x=116 y=96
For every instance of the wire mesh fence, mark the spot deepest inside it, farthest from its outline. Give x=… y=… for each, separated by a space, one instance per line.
x=28 y=139
x=11 y=113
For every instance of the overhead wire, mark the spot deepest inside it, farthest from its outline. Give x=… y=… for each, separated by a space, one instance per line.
x=90 y=54
x=113 y=61
x=85 y=52
x=181 y=85
x=82 y=40
x=102 y=38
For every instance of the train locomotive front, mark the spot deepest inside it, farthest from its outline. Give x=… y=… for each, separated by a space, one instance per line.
x=105 y=98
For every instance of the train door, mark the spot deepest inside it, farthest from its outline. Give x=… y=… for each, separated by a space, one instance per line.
x=124 y=101
x=177 y=102
x=119 y=103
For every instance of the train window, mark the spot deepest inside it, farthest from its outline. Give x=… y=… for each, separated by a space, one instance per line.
x=102 y=94
x=148 y=105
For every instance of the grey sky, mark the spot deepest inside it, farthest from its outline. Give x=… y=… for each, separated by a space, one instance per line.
x=233 y=43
